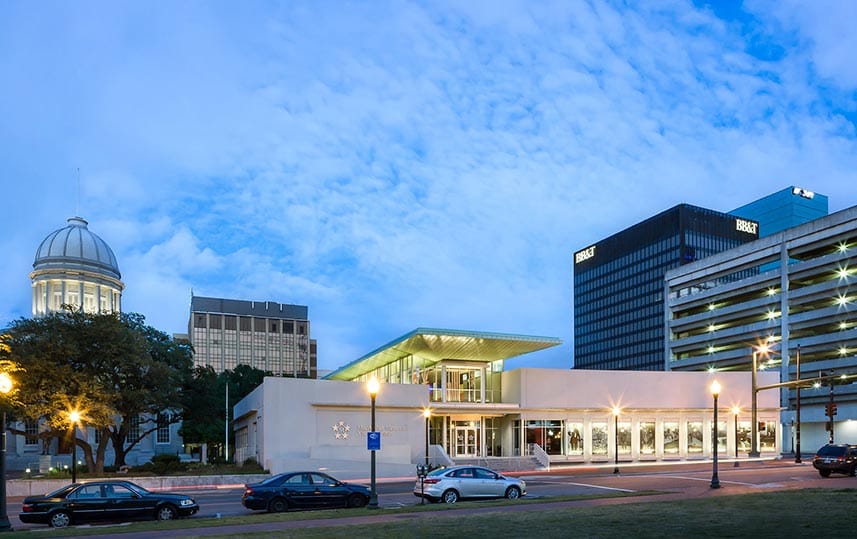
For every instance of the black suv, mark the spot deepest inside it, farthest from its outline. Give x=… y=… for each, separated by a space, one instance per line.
x=839 y=458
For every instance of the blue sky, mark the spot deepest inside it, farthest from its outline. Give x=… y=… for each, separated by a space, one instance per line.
x=402 y=164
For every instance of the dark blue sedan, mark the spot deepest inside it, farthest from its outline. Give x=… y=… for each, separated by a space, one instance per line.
x=303 y=490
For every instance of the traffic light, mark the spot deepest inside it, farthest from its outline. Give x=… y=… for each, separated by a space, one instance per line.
x=830 y=409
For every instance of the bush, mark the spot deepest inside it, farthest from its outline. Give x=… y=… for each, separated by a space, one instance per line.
x=165 y=464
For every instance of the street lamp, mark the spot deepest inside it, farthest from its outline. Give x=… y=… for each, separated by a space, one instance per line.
x=735 y=411
x=427 y=415
x=74 y=417
x=715 y=391
x=6 y=386
x=616 y=411
x=373 y=386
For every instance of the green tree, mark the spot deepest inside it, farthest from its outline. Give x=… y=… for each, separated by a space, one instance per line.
x=111 y=368
x=205 y=403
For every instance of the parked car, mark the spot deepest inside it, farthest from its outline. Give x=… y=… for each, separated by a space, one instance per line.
x=303 y=490
x=839 y=458
x=468 y=482
x=104 y=500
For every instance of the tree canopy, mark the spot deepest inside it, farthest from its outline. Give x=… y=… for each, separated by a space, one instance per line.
x=111 y=368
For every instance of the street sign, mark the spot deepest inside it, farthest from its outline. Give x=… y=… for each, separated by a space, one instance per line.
x=373 y=441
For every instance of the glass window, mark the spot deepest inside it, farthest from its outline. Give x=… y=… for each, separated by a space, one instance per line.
x=134 y=428
x=671 y=437
x=721 y=436
x=694 y=436
x=163 y=436
x=647 y=437
x=599 y=438
x=624 y=437
x=744 y=435
x=767 y=435
x=31 y=427
x=575 y=438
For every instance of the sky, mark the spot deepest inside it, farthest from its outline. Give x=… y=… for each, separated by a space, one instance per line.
x=403 y=164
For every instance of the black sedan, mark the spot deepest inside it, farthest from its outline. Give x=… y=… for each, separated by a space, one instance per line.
x=104 y=500
x=303 y=490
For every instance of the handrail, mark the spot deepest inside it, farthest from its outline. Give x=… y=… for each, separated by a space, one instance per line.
x=540 y=455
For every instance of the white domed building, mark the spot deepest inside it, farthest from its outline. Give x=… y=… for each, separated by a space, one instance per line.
x=74 y=266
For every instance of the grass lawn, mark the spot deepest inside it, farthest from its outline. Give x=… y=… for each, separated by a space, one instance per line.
x=783 y=514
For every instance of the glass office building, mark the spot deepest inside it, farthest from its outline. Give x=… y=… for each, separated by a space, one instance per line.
x=784 y=209
x=619 y=283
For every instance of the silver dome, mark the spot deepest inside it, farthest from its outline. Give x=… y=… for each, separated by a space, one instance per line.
x=75 y=247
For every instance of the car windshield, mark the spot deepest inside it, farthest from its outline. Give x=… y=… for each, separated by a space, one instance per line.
x=831 y=451
x=136 y=488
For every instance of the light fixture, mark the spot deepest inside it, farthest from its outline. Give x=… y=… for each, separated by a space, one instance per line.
x=711 y=349
x=842 y=300
x=772 y=291
x=711 y=370
x=842 y=247
x=711 y=307
x=842 y=350
x=772 y=314
x=843 y=325
x=711 y=327
x=842 y=272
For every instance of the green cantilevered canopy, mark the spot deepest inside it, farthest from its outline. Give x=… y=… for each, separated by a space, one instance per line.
x=433 y=345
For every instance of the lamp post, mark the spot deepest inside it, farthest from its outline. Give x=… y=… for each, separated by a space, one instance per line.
x=616 y=411
x=427 y=415
x=6 y=386
x=373 y=388
x=797 y=406
x=74 y=417
x=735 y=411
x=715 y=391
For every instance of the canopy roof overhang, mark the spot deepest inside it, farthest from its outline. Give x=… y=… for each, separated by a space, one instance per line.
x=434 y=345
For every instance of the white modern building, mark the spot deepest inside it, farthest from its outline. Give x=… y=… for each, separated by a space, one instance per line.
x=792 y=292
x=519 y=419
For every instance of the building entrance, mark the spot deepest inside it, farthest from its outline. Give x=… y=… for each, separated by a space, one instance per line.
x=466 y=441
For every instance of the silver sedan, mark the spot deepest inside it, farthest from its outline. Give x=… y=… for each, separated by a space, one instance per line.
x=468 y=482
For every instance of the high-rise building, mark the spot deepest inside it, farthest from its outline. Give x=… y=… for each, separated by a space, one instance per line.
x=784 y=209
x=266 y=335
x=74 y=266
x=619 y=283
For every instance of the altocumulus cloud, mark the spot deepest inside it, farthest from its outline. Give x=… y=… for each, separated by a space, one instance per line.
x=404 y=164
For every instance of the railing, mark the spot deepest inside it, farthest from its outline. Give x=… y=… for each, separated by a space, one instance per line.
x=539 y=454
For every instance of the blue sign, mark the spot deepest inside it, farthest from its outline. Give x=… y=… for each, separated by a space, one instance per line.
x=373 y=441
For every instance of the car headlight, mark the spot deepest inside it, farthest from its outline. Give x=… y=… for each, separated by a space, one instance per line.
x=187 y=501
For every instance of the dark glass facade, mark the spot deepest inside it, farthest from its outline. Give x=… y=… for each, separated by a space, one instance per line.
x=619 y=284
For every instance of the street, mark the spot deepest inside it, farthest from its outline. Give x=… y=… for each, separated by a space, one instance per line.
x=681 y=479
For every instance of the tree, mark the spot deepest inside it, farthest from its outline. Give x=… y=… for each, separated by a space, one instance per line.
x=206 y=393
x=112 y=368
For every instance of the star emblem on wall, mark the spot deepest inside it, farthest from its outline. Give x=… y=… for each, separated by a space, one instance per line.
x=341 y=430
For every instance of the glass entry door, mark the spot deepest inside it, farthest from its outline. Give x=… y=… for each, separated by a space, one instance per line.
x=466 y=441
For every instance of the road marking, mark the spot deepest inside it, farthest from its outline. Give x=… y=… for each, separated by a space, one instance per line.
x=709 y=480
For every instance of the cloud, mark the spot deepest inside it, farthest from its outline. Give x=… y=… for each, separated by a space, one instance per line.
x=394 y=165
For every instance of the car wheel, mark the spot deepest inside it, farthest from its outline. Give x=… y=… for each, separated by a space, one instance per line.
x=513 y=493
x=166 y=512
x=853 y=471
x=824 y=473
x=357 y=500
x=278 y=505
x=450 y=496
x=60 y=519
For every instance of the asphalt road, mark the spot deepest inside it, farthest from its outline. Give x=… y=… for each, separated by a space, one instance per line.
x=676 y=480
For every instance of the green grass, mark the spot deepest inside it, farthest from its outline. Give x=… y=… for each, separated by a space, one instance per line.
x=793 y=513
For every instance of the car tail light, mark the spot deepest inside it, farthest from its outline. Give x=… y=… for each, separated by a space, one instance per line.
x=248 y=492
x=431 y=481
x=26 y=508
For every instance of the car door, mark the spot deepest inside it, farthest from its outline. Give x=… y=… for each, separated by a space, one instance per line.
x=298 y=490
x=87 y=503
x=466 y=482
x=487 y=483
x=127 y=504
x=328 y=491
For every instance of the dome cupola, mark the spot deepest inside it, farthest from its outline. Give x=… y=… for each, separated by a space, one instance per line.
x=75 y=246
